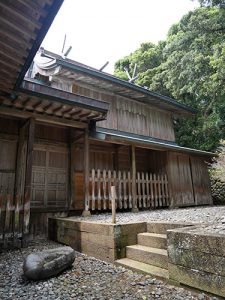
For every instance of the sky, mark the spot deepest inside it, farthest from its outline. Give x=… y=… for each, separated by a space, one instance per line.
x=107 y=30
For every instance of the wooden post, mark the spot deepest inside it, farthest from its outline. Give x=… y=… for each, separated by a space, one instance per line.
x=20 y=182
x=133 y=174
x=70 y=203
x=28 y=175
x=113 y=192
x=86 y=211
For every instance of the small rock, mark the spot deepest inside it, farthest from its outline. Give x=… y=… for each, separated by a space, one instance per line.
x=201 y=297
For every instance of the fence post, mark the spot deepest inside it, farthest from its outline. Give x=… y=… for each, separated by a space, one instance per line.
x=113 y=193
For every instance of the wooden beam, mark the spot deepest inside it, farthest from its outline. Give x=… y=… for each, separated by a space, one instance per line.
x=86 y=211
x=133 y=174
x=41 y=118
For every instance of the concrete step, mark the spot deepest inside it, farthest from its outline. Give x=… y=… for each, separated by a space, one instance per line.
x=154 y=240
x=162 y=227
x=143 y=268
x=148 y=255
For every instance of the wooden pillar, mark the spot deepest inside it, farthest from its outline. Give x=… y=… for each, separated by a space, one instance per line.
x=20 y=183
x=28 y=177
x=70 y=202
x=86 y=211
x=133 y=174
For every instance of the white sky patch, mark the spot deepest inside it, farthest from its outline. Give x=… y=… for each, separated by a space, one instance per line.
x=107 y=30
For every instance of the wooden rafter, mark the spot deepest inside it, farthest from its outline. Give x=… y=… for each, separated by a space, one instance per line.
x=23 y=25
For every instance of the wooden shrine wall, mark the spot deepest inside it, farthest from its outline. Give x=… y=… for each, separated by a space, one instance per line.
x=188 y=178
x=50 y=176
x=201 y=181
x=132 y=116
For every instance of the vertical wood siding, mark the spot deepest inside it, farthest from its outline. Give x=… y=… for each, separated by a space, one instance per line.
x=188 y=180
x=49 y=177
x=180 y=180
x=132 y=116
x=201 y=181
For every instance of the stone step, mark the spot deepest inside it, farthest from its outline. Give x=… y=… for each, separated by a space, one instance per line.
x=154 y=240
x=162 y=227
x=143 y=268
x=148 y=255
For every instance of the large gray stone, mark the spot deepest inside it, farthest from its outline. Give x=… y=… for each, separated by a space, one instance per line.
x=48 y=263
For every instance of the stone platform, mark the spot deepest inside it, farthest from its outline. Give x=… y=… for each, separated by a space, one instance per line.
x=196 y=252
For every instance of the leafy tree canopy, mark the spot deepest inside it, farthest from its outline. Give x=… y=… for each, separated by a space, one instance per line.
x=189 y=66
x=210 y=3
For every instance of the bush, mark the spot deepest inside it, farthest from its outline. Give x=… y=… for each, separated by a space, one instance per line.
x=217 y=174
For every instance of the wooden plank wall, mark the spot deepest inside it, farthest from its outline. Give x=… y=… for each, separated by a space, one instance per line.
x=201 y=181
x=189 y=182
x=50 y=177
x=15 y=176
x=49 y=188
x=8 y=150
x=54 y=134
x=132 y=116
x=180 y=181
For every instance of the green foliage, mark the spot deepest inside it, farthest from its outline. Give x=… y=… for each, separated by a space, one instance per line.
x=210 y=3
x=217 y=175
x=218 y=165
x=189 y=66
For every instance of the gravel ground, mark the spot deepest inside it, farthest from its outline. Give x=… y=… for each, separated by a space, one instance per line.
x=207 y=214
x=88 y=279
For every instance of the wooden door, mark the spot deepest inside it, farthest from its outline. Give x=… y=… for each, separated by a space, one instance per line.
x=50 y=178
x=180 y=180
x=201 y=182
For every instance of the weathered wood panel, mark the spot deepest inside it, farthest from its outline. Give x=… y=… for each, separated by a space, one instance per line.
x=131 y=116
x=9 y=126
x=124 y=158
x=101 y=156
x=8 y=154
x=8 y=150
x=139 y=118
x=15 y=177
x=39 y=222
x=50 y=177
x=51 y=133
x=180 y=180
x=78 y=203
x=28 y=174
x=201 y=182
